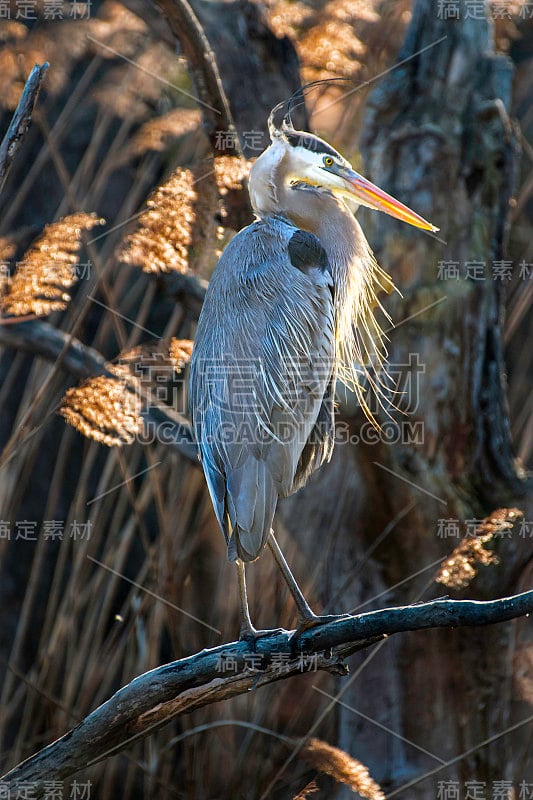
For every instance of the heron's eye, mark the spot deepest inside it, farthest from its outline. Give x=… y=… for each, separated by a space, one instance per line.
x=328 y=161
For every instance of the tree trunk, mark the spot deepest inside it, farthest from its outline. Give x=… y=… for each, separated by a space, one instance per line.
x=437 y=136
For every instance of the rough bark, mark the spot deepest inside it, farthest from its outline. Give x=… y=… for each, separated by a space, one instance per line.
x=21 y=120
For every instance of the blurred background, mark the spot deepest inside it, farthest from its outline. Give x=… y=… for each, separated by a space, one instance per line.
x=97 y=506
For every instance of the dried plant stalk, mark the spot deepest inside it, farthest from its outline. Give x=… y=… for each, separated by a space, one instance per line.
x=169 y=353
x=180 y=352
x=179 y=219
x=108 y=409
x=157 y=134
x=132 y=94
x=105 y=409
x=155 y=366
x=308 y=789
x=48 y=268
x=458 y=571
x=64 y=44
x=180 y=229
x=289 y=18
x=342 y=767
x=230 y=173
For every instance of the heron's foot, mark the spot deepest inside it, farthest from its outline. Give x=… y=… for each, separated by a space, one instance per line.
x=311 y=620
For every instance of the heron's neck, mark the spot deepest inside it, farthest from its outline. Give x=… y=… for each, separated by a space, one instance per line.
x=357 y=278
x=340 y=236
x=339 y=232
x=344 y=242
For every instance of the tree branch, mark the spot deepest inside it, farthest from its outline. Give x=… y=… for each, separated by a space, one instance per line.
x=156 y=697
x=42 y=339
x=217 y=117
x=20 y=123
x=185 y=288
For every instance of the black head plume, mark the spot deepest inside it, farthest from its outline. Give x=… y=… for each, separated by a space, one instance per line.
x=294 y=101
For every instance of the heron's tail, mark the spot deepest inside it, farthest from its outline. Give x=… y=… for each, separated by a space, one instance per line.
x=251 y=501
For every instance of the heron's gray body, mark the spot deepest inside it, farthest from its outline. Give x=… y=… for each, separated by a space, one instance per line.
x=263 y=376
x=290 y=306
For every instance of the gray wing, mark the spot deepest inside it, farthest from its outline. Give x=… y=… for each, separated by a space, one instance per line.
x=319 y=446
x=262 y=377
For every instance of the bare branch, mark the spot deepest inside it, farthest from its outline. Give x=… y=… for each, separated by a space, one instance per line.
x=21 y=120
x=187 y=29
x=156 y=697
x=186 y=289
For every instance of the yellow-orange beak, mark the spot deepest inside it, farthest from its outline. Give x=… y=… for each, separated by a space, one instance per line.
x=370 y=195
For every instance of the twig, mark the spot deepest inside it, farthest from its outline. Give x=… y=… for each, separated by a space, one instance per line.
x=21 y=120
x=156 y=697
x=42 y=339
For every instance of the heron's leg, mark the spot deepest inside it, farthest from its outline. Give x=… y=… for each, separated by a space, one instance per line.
x=305 y=614
x=306 y=617
x=247 y=630
x=246 y=627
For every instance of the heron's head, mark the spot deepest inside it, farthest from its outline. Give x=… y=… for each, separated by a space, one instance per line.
x=302 y=161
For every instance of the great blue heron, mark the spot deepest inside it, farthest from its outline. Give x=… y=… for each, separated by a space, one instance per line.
x=290 y=306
